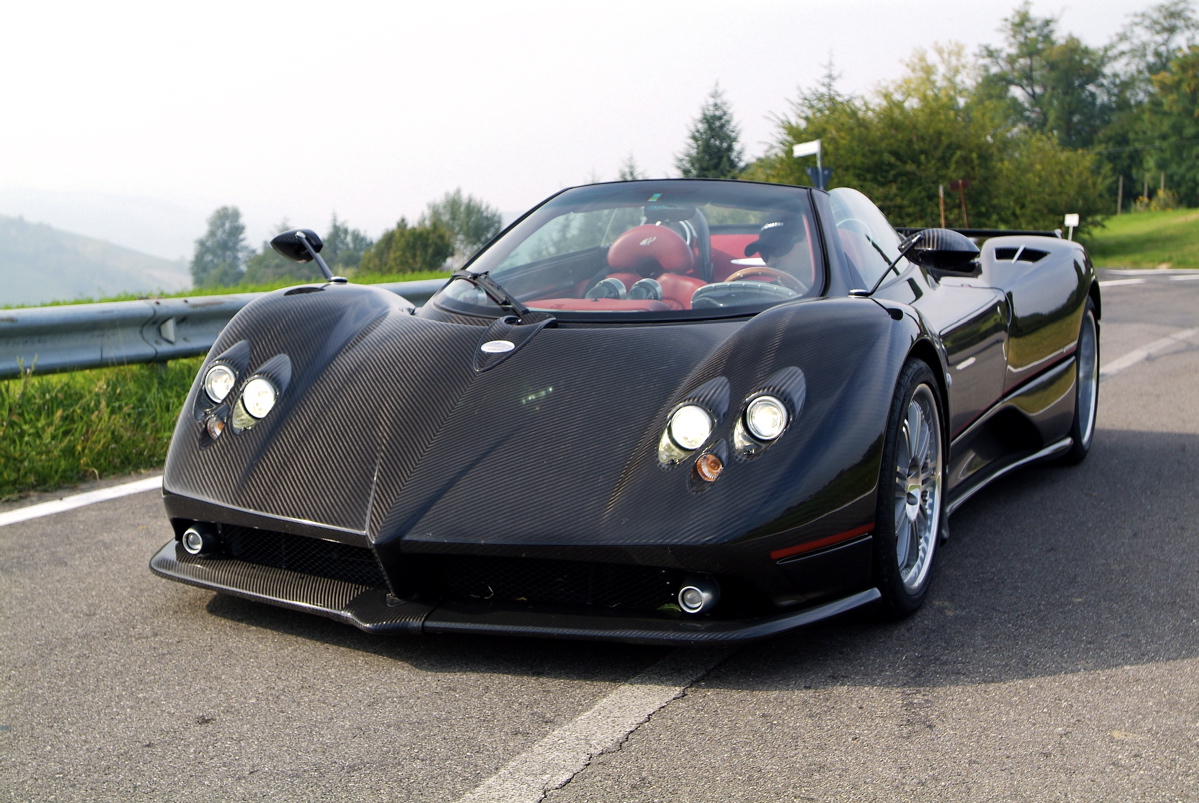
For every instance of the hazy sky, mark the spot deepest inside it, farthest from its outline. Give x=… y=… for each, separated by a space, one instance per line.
x=136 y=120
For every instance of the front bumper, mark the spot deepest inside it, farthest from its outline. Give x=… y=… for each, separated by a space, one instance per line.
x=375 y=611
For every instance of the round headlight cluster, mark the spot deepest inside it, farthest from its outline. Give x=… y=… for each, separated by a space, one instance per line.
x=259 y=396
x=219 y=381
x=690 y=426
x=766 y=418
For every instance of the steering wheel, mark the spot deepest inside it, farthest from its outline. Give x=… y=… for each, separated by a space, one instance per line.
x=782 y=277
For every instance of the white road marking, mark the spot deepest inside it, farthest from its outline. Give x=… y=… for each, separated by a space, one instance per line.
x=1148 y=271
x=1190 y=278
x=1118 y=282
x=80 y=500
x=556 y=759
x=1145 y=352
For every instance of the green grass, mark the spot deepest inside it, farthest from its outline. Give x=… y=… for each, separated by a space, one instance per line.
x=61 y=429
x=1147 y=240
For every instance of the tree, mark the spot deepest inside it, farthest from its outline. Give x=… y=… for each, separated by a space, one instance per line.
x=408 y=249
x=221 y=252
x=1173 y=119
x=927 y=128
x=470 y=222
x=629 y=170
x=1154 y=38
x=1060 y=87
x=713 y=148
x=344 y=247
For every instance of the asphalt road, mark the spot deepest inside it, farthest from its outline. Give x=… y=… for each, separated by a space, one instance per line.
x=1057 y=659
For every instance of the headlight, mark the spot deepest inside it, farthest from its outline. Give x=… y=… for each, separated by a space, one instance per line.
x=259 y=397
x=690 y=426
x=766 y=418
x=219 y=381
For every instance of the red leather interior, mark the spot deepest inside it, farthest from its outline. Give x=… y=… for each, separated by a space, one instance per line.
x=726 y=248
x=650 y=249
x=661 y=253
x=677 y=290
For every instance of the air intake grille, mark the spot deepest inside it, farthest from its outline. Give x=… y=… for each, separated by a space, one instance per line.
x=550 y=582
x=329 y=559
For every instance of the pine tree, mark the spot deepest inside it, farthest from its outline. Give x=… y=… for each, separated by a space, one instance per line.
x=629 y=170
x=713 y=149
x=221 y=253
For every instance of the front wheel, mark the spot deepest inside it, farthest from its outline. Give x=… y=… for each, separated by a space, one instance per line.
x=909 y=513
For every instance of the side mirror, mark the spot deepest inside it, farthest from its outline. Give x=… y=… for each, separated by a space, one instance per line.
x=944 y=249
x=303 y=245
x=291 y=244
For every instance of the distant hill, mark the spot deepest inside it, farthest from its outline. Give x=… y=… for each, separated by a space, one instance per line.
x=39 y=264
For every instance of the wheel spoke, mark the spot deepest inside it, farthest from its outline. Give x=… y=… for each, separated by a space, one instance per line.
x=914 y=424
x=903 y=542
x=923 y=436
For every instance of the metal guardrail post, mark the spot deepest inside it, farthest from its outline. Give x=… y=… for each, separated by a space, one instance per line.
x=69 y=338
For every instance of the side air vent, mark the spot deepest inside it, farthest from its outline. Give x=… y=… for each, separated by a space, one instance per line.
x=1020 y=254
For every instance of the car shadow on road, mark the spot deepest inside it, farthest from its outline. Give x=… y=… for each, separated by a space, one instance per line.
x=1051 y=570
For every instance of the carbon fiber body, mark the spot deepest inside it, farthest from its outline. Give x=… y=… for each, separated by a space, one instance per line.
x=525 y=493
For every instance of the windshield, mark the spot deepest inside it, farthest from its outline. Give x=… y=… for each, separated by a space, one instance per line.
x=869 y=242
x=653 y=249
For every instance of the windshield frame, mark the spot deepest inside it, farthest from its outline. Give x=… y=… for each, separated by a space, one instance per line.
x=632 y=194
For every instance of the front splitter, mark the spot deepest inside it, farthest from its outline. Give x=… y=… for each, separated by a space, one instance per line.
x=376 y=611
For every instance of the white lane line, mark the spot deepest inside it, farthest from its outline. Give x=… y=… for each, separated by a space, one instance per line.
x=1148 y=271
x=552 y=762
x=1191 y=278
x=1118 y=282
x=80 y=500
x=1145 y=352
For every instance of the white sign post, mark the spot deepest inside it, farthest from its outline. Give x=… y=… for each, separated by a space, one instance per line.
x=808 y=149
x=1071 y=222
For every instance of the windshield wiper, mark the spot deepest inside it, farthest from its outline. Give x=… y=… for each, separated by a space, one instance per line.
x=495 y=291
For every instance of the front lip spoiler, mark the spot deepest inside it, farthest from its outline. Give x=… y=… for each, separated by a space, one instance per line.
x=375 y=611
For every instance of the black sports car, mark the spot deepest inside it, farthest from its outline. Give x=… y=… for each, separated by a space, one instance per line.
x=653 y=411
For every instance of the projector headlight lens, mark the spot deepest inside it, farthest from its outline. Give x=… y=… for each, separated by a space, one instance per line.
x=218 y=382
x=766 y=418
x=259 y=397
x=690 y=426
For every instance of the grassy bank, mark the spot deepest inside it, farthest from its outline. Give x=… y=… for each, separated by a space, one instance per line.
x=60 y=429
x=1147 y=240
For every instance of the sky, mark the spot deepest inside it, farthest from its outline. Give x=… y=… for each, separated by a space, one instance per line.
x=133 y=121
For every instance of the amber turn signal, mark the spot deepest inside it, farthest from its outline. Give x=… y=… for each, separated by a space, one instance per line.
x=709 y=467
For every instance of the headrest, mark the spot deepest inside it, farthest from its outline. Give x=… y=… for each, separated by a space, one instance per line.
x=651 y=249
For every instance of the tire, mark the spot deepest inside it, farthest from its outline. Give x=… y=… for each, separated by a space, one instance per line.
x=1086 y=388
x=910 y=514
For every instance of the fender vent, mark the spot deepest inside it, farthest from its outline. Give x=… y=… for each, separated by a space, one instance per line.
x=1020 y=254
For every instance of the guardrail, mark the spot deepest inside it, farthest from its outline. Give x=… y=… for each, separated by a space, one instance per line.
x=69 y=338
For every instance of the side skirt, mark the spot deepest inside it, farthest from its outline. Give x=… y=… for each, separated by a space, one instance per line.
x=1050 y=451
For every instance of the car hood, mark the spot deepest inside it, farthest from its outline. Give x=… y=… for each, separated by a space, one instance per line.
x=389 y=428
